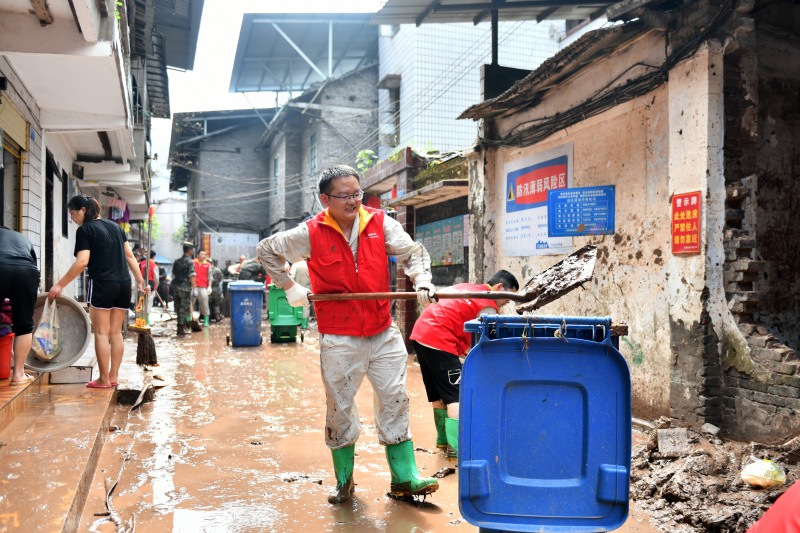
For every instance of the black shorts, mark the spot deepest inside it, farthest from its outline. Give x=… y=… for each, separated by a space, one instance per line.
x=441 y=373
x=20 y=284
x=109 y=294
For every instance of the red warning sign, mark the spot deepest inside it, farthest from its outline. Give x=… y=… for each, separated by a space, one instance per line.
x=686 y=217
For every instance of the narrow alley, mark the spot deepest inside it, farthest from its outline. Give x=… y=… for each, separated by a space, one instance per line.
x=233 y=442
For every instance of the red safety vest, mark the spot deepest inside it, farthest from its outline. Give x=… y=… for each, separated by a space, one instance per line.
x=332 y=270
x=441 y=324
x=152 y=273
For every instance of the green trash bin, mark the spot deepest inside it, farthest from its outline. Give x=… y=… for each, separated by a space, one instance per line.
x=283 y=318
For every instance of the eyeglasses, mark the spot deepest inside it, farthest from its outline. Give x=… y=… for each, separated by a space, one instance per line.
x=356 y=196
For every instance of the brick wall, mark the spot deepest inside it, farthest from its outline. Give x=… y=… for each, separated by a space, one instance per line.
x=230 y=191
x=344 y=121
x=761 y=240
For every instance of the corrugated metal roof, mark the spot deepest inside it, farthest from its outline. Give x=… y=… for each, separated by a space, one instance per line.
x=179 y=22
x=437 y=11
x=271 y=50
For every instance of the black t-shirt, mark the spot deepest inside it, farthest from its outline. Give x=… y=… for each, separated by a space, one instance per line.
x=16 y=249
x=105 y=242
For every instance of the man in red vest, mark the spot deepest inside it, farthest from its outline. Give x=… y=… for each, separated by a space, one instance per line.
x=347 y=248
x=440 y=342
x=202 y=266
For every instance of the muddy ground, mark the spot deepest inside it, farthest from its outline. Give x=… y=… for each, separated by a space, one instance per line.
x=232 y=441
x=696 y=485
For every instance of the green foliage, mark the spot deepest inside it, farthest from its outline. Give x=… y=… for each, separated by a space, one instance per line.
x=366 y=159
x=183 y=234
x=156 y=229
x=120 y=5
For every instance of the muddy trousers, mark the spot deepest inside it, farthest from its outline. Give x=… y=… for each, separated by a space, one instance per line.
x=202 y=300
x=344 y=362
x=183 y=300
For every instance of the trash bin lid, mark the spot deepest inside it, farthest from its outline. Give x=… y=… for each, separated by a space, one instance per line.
x=545 y=426
x=245 y=286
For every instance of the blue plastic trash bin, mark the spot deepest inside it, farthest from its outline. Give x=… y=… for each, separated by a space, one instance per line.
x=545 y=425
x=246 y=299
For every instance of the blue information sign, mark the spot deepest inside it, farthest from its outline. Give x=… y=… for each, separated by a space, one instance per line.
x=580 y=211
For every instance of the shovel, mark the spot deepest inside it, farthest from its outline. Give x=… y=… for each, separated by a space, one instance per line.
x=545 y=287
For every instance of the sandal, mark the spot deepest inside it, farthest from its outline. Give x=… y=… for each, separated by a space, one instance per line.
x=27 y=379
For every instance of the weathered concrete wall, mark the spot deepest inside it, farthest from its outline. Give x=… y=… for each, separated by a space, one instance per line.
x=631 y=268
x=726 y=124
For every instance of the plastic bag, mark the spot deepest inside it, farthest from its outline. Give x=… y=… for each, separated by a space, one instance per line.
x=763 y=473
x=47 y=337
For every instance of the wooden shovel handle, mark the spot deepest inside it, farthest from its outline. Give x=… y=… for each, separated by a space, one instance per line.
x=488 y=295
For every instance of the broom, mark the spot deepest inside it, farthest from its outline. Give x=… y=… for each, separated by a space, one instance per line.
x=146 y=346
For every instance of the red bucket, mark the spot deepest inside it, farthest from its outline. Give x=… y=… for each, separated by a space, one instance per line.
x=6 y=342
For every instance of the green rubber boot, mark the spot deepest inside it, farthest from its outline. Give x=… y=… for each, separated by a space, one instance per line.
x=206 y=320
x=451 y=428
x=343 y=460
x=406 y=481
x=441 y=436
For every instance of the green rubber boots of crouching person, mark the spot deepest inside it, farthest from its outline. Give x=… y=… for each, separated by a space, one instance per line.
x=343 y=459
x=406 y=481
x=439 y=416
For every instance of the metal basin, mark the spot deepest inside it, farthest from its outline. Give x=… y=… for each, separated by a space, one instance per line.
x=76 y=329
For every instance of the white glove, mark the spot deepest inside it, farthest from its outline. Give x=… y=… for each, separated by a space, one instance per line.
x=425 y=291
x=297 y=296
x=194 y=294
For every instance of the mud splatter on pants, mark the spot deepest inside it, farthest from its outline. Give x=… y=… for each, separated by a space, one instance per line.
x=345 y=361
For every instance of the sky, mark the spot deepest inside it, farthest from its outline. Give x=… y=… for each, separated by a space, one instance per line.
x=205 y=88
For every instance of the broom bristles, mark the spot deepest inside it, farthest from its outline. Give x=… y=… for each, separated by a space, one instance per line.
x=146 y=351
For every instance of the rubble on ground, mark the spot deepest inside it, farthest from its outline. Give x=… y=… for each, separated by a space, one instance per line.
x=693 y=484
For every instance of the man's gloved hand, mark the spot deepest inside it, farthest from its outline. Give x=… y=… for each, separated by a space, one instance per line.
x=297 y=296
x=425 y=291
x=194 y=293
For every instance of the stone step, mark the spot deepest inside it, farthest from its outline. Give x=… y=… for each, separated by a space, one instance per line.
x=50 y=440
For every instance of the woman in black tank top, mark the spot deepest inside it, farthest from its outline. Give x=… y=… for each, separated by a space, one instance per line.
x=102 y=247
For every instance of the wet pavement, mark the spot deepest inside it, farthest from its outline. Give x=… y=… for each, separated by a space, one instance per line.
x=233 y=441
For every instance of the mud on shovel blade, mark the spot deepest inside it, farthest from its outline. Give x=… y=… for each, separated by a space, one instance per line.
x=559 y=279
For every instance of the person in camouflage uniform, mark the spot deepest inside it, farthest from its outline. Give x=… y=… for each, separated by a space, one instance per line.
x=215 y=298
x=184 y=282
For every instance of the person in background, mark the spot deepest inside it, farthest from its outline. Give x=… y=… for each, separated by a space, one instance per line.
x=347 y=247
x=234 y=270
x=163 y=288
x=440 y=342
x=102 y=247
x=152 y=277
x=215 y=297
x=184 y=280
x=202 y=268
x=19 y=282
x=252 y=270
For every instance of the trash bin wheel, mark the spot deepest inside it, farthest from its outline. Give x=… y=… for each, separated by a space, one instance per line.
x=261 y=339
x=228 y=340
x=302 y=337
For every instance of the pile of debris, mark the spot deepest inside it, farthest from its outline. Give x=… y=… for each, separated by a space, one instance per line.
x=691 y=482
